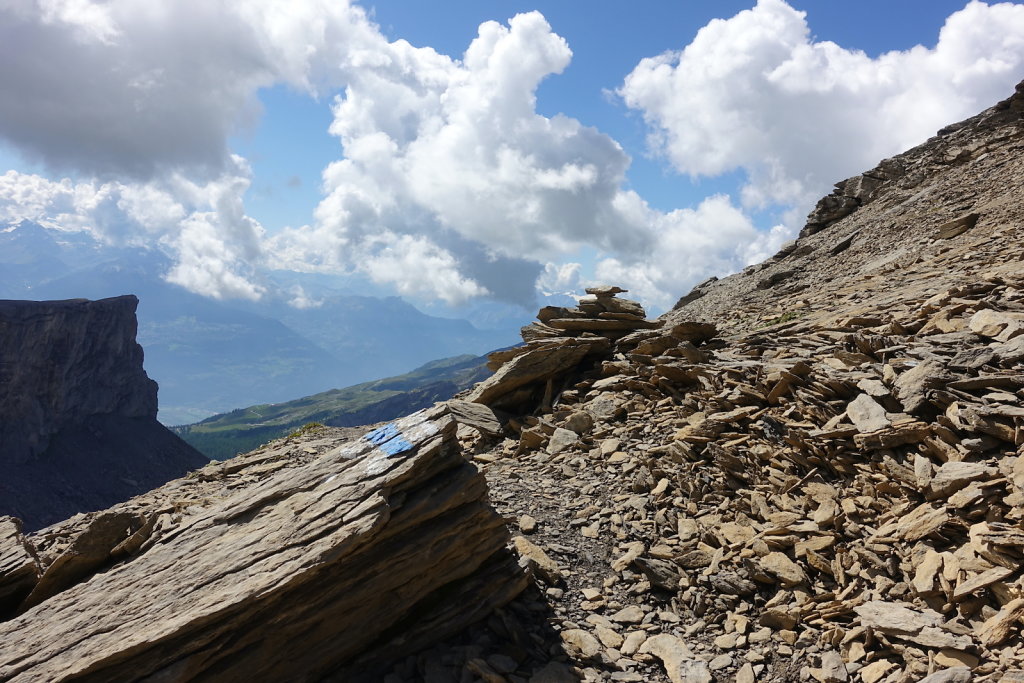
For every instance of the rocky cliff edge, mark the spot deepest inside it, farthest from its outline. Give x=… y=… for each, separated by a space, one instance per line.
x=78 y=427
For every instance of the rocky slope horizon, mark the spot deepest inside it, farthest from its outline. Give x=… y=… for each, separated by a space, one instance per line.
x=809 y=471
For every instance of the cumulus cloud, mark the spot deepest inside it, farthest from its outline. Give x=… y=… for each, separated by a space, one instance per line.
x=756 y=92
x=121 y=88
x=714 y=238
x=449 y=184
x=452 y=186
x=216 y=247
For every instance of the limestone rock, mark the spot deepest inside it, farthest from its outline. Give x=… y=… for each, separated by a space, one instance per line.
x=693 y=331
x=957 y=226
x=953 y=476
x=315 y=570
x=924 y=627
x=780 y=566
x=866 y=414
x=912 y=386
x=475 y=415
x=582 y=642
x=677 y=659
x=19 y=570
x=538 y=561
x=580 y=422
x=78 y=427
x=959 y=674
x=989 y=323
x=561 y=440
x=528 y=368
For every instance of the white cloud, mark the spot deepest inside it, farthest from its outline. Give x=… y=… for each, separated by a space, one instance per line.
x=450 y=185
x=560 y=278
x=216 y=247
x=690 y=244
x=449 y=167
x=123 y=88
x=756 y=92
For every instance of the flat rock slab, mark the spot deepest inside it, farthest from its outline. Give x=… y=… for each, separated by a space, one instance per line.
x=314 y=569
x=602 y=324
x=866 y=414
x=529 y=367
x=19 y=570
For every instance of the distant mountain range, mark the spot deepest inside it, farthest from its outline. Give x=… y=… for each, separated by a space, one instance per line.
x=211 y=356
x=224 y=436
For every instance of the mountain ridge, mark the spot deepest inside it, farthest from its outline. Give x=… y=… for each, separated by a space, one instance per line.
x=812 y=470
x=211 y=356
x=243 y=429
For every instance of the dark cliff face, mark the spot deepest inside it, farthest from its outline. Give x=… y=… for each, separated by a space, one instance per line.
x=62 y=362
x=78 y=427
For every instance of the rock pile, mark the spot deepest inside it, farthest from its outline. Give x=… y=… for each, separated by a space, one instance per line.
x=566 y=339
x=282 y=565
x=831 y=504
x=830 y=491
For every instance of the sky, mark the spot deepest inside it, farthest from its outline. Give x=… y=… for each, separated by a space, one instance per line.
x=472 y=150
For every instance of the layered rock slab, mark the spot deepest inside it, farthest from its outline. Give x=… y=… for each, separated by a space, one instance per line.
x=361 y=555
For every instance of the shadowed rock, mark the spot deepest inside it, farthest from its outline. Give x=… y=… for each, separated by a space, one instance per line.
x=78 y=427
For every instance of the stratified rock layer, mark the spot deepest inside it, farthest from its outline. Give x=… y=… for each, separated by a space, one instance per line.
x=362 y=554
x=78 y=427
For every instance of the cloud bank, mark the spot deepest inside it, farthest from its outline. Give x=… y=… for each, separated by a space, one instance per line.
x=449 y=184
x=127 y=89
x=217 y=247
x=756 y=92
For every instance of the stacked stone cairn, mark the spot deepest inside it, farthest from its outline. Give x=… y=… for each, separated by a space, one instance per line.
x=601 y=329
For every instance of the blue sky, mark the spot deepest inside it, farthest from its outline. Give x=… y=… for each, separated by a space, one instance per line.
x=607 y=39
x=651 y=144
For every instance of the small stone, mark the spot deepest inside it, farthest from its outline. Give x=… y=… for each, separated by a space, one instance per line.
x=866 y=414
x=582 y=642
x=554 y=672
x=952 y=658
x=787 y=571
x=633 y=551
x=875 y=671
x=960 y=674
x=762 y=635
x=561 y=440
x=579 y=422
x=989 y=323
x=608 y=637
x=538 y=561
x=677 y=659
x=720 y=662
x=727 y=641
x=746 y=674
x=628 y=615
x=527 y=524
x=632 y=642
x=833 y=669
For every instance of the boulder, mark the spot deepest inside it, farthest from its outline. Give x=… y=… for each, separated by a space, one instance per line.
x=360 y=556
x=527 y=368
